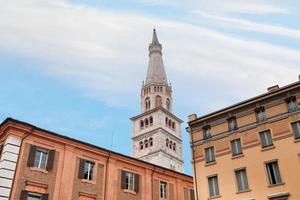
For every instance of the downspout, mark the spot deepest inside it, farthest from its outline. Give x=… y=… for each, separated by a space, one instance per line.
x=17 y=164
x=152 y=189
x=106 y=172
x=189 y=130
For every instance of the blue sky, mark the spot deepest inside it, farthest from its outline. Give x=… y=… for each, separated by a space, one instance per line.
x=76 y=67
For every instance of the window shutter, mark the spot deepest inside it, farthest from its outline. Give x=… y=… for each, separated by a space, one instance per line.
x=50 y=161
x=123 y=179
x=136 y=183
x=81 y=169
x=45 y=196
x=24 y=195
x=31 y=156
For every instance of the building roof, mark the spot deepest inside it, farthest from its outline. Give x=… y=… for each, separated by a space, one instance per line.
x=33 y=127
x=156 y=73
x=252 y=100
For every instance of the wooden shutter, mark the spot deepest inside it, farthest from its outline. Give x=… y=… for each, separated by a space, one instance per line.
x=45 y=196
x=136 y=183
x=81 y=169
x=156 y=192
x=50 y=161
x=171 y=191
x=123 y=179
x=31 y=156
x=24 y=195
x=192 y=194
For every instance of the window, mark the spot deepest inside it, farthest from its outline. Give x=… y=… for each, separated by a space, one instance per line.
x=158 y=101
x=206 y=133
x=141 y=145
x=213 y=186
x=147 y=103
x=33 y=197
x=88 y=170
x=130 y=181
x=168 y=104
x=163 y=190
x=296 y=129
x=292 y=104
x=167 y=120
x=167 y=142
x=170 y=144
x=241 y=179
x=151 y=142
x=260 y=114
x=236 y=147
x=26 y=195
x=174 y=146
x=146 y=122
x=41 y=156
x=273 y=173
x=146 y=143
x=209 y=155
x=141 y=124
x=173 y=125
x=266 y=139
x=192 y=194
x=232 y=124
x=151 y=120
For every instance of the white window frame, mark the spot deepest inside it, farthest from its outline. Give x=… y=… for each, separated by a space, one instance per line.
x=130 y=180
x=278 y=178
x=163 y=189
x=90 y=170
x=43 y=152
x=32 y=196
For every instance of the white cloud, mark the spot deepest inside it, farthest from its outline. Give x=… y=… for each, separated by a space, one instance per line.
x=104 y=53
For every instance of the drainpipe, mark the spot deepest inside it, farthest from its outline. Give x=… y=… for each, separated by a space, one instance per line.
x=106 y=172
x=189 y=130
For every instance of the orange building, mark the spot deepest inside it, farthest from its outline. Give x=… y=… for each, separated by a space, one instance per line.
x=39 y=164
x=250 y=150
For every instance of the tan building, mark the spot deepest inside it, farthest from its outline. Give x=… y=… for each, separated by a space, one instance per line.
x=250 y=150
x=39 y=164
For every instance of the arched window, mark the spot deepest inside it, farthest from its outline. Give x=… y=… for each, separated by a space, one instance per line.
x=141 y=145
x=146 y=122
x=168 y=105
x=167 y=121
x=146 y=143
x=151 y=142
x=141 y=124
x=170 y=123
x=151 y=120
x=170 y=144
x=174 y=146
x=173 y=125
x=147 y=103
x=158 y=101
x=167 y=142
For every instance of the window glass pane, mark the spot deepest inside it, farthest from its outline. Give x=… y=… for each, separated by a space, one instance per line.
x=163 y=190
x=266 y=138
x=40 y=159
x=273 y=173
x=209 y=154
x=213 y=186
x=296 y=129
x=88 y=170
x=236 y=147
x=130 y=181
x=33 y=197
x=242 y=181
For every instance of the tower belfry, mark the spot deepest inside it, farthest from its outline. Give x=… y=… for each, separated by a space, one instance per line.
x=156 y=136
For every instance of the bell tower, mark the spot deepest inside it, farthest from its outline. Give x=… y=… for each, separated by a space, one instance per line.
x=156 y=136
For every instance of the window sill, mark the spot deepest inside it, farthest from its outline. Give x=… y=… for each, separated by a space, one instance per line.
x=210 y=163
x=129 y=191
x=214 y=197
x=88 y=181
x=238 y=156
x=297 y=140
x=277 y=184
x=267 y=148
x=243 y=191
x=39 y=170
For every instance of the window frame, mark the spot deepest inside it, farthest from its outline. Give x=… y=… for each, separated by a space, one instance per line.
x=89 y=173
x=294 y=103
x=163 y=189
x=260 y=114
x=34 y=195
x=265 y=133
x=235 y=146
x=297 y=132
x=215 y=184
x=275 y=176
x=40 y=159
x=232 y=124
x=206 y=132
x=211 y=153
x=244 y=180
x=130 y=177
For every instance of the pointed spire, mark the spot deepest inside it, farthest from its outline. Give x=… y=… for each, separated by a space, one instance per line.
x=156 y=73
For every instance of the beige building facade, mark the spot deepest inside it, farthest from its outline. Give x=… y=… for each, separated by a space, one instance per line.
x=250 y=150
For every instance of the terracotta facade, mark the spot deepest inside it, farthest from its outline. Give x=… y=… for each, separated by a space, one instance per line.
x=60 y=177
x=266 y=164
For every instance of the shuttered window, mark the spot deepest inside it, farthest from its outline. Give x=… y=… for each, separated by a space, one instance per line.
x=241 y=179
x=213 y=186
x=209 y=154
x=296 y=129
x=130 y=181
x=86 y=169
x=236 y=147
x=26 y=195
x=163 y=190
x=192 y=194
x=292 y=104
x=273 y=173
x=266 y=138
x=41 y=158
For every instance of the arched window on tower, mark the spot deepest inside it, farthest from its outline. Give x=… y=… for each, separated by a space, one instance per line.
x=168 y=105
x=170 y=144
x=151 y=120
x=170 y=123
x=147 y=103
x=158 y=101
x=141 y=124
x=174 y=146
x=146 y=143
x=141 y=145
x=146 y=122
x=167 y=121
x=173 y=125
x=151 y=142
x=167 y=142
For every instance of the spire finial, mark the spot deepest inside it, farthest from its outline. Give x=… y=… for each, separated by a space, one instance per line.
x=154 y=37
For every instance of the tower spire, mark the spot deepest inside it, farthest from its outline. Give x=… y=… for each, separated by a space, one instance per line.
x=156 y=73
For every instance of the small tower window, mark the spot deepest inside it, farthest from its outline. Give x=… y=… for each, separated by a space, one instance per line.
x=141 y=124
x=168 y=104
x=146 y=143
x=167 y=142
x=150 y=142
x=174 y=146
x=147 y=103
x=170 y=123
x=146 y=122
x=173 y=125
x=141 y=145
x=151 y=120
x=158 y=101
x=167 y=121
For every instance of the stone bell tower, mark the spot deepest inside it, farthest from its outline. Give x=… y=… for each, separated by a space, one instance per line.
x=156 y=136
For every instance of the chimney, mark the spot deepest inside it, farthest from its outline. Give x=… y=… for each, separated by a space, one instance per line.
x=272 y=88
x=192 y=117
